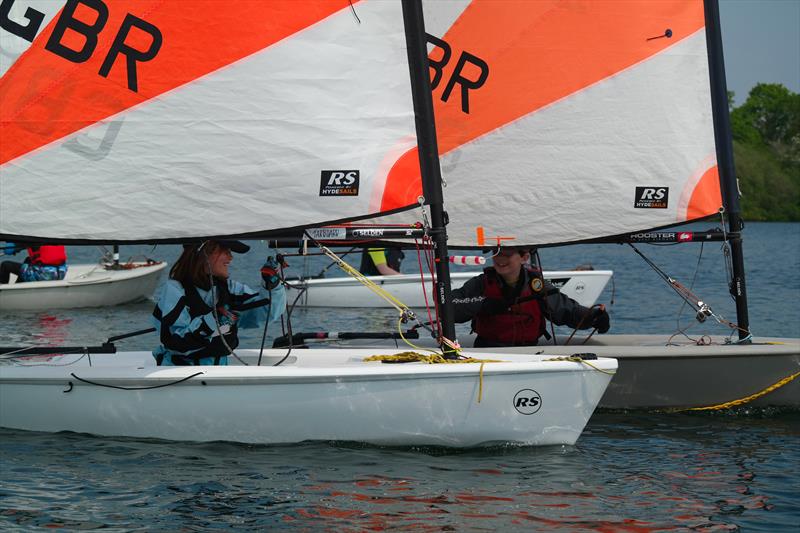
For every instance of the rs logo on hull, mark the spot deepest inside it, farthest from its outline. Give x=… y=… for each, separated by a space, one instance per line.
x=527 y=401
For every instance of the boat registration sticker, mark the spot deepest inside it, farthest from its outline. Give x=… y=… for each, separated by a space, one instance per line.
x=527 y=401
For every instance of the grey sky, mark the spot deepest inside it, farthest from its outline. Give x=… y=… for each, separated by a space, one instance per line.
x=761 y=41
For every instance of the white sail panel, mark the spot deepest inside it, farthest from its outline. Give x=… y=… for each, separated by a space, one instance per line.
x=567 y=121
x=244 y=149
x=571 y=171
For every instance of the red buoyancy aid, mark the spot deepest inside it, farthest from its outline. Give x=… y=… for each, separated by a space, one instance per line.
x=522 y=325
x=48 y=255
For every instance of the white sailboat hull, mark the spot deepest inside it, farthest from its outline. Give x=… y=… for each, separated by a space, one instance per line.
x=584 y=286
x=84 y=286
x=314 y=395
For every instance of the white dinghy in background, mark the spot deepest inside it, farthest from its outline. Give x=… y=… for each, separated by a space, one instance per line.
x=313 y=395
x=584 y=286
x=97 y=285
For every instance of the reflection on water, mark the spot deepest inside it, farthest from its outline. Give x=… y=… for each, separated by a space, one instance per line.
x=629 y=472
x=52 y=331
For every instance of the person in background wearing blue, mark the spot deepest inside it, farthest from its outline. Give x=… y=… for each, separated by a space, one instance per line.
x=45 y=262
x=198 y=313
x=381 y=261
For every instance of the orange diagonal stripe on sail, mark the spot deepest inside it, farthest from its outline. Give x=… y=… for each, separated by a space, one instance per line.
x=541 y=51
x=537 y=52
x=46 y=97
x=706 y=197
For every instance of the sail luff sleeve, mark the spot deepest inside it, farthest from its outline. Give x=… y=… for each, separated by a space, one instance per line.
x=429 y=156
x=727 y=169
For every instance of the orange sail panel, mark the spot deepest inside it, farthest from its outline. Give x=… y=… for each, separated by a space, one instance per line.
x=46 y=97
x=540 y=52
x=499 y=62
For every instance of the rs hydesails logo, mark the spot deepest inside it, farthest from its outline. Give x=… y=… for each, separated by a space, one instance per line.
x=339 y=183
x=651 y=198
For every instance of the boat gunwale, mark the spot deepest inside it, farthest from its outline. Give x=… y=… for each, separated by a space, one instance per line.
x=242 y=375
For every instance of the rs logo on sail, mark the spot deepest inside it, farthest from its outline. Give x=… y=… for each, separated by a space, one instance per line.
x=651 y=197
x=339 y=183
x=90 y=32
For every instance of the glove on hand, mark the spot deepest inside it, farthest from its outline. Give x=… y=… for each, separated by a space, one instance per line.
x=494 y=306
x=600 y=320
x=9 y=248
x=269 y=273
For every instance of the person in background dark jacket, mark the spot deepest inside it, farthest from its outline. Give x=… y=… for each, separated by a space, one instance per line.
x=510 y=302
x=381 y=261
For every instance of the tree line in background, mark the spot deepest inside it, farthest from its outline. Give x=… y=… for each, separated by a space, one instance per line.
x=766 y=152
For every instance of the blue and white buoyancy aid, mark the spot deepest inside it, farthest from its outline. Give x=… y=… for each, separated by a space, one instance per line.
x=30 y=272
x=45 y=263
x=187 y=328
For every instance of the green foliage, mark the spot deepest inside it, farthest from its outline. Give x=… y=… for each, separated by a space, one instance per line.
x=770 y=190
x=766 y=133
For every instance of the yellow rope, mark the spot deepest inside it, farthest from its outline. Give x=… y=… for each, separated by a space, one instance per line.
x=405 y=311
x=377 y=289
x=577 y=359
x=400 y=331
x=480 y=382
x=433 y=358
x=744 y=400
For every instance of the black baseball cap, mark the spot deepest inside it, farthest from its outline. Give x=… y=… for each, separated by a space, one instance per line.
x=234 y=246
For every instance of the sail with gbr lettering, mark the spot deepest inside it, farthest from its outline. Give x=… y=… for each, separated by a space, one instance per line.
x=567 y=121
x=152 y=121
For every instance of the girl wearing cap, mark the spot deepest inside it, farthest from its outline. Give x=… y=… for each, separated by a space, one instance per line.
x=198 y=313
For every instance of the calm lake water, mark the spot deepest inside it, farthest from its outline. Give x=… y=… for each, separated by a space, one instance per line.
x=628 y=472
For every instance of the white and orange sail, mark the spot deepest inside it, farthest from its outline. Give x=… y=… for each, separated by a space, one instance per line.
x=567 y=120
x=145 y=120
x=557 y=120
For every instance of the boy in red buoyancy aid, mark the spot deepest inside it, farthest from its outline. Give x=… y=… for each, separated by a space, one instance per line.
x=510 y=302
x=44 y=263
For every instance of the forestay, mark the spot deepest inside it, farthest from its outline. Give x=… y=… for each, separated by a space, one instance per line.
x=145 y=120
x=567 y=121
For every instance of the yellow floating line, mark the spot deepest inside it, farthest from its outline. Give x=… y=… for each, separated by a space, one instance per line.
x=744 y=400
